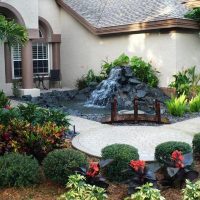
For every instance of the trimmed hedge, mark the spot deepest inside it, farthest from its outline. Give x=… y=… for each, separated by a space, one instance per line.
x=196 y=144
x=60 y=164
x=18 y=170
x=164 y=150
x=122 y=154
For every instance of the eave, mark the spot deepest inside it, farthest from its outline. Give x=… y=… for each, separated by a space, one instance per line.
x=136 y=27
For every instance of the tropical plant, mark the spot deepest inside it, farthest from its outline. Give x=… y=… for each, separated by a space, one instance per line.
x=60 y=164
x=194 y=104
x=177 y=106
x=141 y=174
x=122 y=60
x=178 y=170
x=18 y=170
x=144 y=71
x=93 y=173
x=121 y=155
x=79 y=190
x=4 y=101
x=191 y=191
x=196 y=144
x=193 y=14
x=12 y=32
x=146 y=192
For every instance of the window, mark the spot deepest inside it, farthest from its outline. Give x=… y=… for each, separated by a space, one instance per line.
x=17 y=62
x=40 y=58
x=40 y=54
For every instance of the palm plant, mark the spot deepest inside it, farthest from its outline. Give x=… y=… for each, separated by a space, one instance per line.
x=12 y=32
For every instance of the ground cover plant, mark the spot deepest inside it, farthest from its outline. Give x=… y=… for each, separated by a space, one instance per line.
x=146 y=192
x=144 y=71
x=79 y=190
x=121 y=155
x=196 y=144
x=191 y=191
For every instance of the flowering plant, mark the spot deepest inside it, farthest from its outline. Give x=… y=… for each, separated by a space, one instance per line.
x=178 y=169
x=93 y=173
x=141 y=174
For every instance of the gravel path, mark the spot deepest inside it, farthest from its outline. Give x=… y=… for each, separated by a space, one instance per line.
x=94 y=136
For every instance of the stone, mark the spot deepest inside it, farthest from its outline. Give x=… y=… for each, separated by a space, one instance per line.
x=26 y=97
x=128 y=71
x=141 y=93
x=133 y=81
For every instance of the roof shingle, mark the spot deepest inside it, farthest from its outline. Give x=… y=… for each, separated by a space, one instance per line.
x=109 y=13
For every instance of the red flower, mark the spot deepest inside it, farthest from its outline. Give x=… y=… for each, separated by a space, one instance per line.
x=137 y=165
x=7 y=107
x=93 y=170
x=178 y=158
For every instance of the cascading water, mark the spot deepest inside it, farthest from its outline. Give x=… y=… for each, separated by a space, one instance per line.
x=105 y=91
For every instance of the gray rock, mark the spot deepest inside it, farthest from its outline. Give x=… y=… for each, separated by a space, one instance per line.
x=133 y=81
x=141 y=93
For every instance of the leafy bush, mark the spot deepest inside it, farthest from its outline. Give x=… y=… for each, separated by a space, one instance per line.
x=79 y=190
x=196 y=144
x=146 y=192
x=4 y=101
x=177 y=106
x=191 y=191
x=194 y=104
x=60 y=164
x=185 y=81
x=37 y=115
x=85 y=81
x=21 y=136
x=18 y=170
x=121 y=155
x=193 y=14
x=144 y=71
x=163 y=151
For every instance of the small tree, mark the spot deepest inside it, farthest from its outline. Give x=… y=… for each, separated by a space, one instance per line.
x=12 y=32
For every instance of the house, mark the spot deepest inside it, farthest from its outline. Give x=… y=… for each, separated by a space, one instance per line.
x=77 y=35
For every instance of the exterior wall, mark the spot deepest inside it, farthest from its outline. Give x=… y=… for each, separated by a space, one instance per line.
x=49 y=10
x=188 y=50
x=28 y=9
x=3 y=85
x=80 y=50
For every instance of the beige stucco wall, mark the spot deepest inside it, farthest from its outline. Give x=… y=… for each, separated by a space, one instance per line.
x=188 y=50
x=49 y=10
x=28 y=9
x=3 y=86
x=80 y=50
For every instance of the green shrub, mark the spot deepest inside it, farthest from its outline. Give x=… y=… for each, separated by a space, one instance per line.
x=191 y=191
x=193 y=14
x=196 y=144
x=194 y=104
x=146 y=192
x=4 y=101
x=122 y=154
x=18 y=170
x=177 y=106
x=144 y=71
x=122 y=60
x=37 y=115
x=60 y=164
x=79 y=190
x=164 y=150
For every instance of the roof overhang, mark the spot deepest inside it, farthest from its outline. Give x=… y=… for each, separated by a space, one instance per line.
x=136 y=27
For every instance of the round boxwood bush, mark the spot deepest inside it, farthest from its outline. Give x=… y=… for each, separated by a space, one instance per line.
x=18 y=170
x=122 y=154
x=196 y=144
x=164 y=150
x=60 y=164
